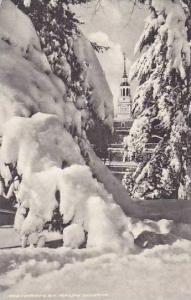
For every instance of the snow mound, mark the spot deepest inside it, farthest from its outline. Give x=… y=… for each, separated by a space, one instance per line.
x=73 y=236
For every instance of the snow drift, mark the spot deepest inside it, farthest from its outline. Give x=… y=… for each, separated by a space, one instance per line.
x=159 y=273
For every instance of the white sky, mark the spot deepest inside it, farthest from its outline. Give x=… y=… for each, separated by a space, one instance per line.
x=113 y=25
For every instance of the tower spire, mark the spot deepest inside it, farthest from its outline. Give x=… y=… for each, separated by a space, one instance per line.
x=125 y=70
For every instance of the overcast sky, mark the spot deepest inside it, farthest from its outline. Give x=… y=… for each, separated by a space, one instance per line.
x=113 y=24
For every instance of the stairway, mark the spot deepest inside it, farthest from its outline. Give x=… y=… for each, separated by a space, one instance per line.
x=116 y=164
x=119 y=168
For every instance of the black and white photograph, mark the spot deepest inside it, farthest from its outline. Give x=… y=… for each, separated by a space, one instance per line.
x=95 y=149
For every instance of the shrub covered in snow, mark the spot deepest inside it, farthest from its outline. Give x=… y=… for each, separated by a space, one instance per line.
x=40 y=147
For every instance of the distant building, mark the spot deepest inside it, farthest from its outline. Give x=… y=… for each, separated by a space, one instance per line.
x=123 y=118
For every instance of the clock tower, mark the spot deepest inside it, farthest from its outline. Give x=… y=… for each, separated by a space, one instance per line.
x=124 y=105
x=123 y=117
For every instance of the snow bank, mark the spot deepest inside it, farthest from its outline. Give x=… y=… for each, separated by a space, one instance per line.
x=159 y=273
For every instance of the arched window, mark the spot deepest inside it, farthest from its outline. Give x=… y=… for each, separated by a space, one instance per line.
x=123 y=92
x=127 y=92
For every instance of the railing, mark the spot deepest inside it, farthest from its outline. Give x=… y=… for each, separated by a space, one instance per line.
x=111 y=146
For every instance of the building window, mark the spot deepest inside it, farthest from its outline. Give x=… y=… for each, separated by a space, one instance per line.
x=127 y=92
x=123 y=92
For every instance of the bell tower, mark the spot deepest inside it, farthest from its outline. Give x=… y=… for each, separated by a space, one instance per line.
x=124 y=106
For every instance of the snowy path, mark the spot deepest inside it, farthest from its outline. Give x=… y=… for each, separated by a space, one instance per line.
x=152 y=274
x=8 y=237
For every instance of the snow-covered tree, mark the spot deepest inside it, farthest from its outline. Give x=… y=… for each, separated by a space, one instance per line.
x=161 y=102
x=57 y=28
x=45 y=156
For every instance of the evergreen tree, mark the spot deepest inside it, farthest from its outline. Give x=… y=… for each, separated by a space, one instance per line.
x=58 y=28
x=77 y=96
x=161 y=103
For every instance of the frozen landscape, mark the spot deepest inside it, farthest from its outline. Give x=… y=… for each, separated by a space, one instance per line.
x=160 y=273
x=79 y=232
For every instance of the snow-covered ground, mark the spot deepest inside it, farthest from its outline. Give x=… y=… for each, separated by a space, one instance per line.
x=160 y=273
x=34 y=116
